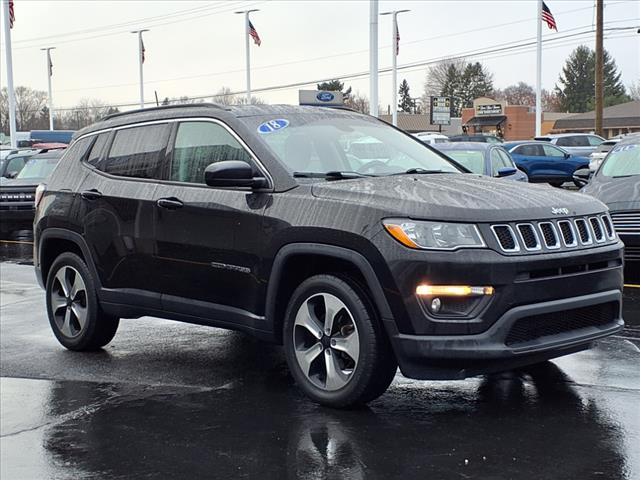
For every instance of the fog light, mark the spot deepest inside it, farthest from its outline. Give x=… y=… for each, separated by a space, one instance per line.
x=436 y=304
x=452 y=290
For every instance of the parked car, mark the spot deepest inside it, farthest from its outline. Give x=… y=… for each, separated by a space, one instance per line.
x=476 y=138
x=617 y=184
x=431 y=138
x=13 y=160
x=580 y=144
x=51 y=136
x=600 y=152
x=483 y=158
x=17 y=196
x=545 y=163
x=253 y=218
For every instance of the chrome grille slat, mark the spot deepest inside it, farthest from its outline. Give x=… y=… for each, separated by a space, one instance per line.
x=549 y=235
x=597 y=229
x=608 y=226
x=626 y=222
x=584 y=233
x=529 y=237
x=506 y=238
x=567 y=233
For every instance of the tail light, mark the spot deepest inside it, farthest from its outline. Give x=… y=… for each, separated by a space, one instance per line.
x=39 y=193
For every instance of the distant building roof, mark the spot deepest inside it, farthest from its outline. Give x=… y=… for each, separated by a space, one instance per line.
x=553 y=116
x=624 y=115
x=414 y=123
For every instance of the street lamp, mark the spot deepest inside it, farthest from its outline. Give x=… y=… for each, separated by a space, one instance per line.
x=140 y=62
x=394 y=60
x=49 y=74
x=246 y=46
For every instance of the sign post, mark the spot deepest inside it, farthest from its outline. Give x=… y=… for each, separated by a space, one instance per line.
x=440 y=111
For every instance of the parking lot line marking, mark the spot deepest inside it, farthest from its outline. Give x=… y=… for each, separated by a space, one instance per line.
x=16 y=241
x=631 y=285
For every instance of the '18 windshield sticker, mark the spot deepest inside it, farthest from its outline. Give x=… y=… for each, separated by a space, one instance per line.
x=273 y=125
x=624 y=148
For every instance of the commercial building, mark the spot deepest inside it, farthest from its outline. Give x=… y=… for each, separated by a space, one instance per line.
x=616 y=120
x=419 y=122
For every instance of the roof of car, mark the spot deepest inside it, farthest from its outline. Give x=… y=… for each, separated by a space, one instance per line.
x=466 y=145
x=560 y=135
x=205 y=109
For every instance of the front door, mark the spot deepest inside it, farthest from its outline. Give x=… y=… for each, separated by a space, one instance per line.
x=207 y=239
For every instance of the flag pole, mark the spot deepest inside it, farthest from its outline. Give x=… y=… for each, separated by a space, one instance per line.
x=394 y=64
x=373 y=57
x=539 y=73
x=247 y=49
x=49 y=74
x=10 y=91
x=140 y=62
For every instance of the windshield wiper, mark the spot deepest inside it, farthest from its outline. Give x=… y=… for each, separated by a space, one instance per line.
x=331 y=175
x=420 y=171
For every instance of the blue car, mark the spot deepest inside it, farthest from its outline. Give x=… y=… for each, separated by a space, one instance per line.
x=544 y=162
x=483 y=158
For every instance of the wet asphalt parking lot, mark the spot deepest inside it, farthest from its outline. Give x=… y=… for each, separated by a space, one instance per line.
x=169 y=400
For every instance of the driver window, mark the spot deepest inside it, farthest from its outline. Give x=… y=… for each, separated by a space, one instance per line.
x=199 y=144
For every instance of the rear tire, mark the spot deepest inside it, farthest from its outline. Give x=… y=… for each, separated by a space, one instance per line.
x=75 y=315
x=335 y=346
x=556 y=184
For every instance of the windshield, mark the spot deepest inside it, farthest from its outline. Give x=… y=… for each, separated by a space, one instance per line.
x=40 y=168
x=471 y=159
x=321 y=143
x=623 y=161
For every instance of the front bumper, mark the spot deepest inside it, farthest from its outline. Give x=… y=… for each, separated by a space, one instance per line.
x=461 y=356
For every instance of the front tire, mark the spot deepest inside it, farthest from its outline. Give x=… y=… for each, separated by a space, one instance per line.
x=72 y=305
x=336 y=348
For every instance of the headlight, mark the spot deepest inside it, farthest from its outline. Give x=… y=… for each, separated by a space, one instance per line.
x=434 y=235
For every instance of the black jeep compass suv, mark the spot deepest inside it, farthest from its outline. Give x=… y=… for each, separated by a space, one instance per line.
x=351 y=243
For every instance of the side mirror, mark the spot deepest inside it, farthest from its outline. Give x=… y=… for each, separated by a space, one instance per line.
x=582 y=176
x=567 y=155
x=506 y=171
x=232 y=173
x=11 y=174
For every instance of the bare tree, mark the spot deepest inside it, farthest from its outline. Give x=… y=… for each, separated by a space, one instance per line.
x=439 y=75
x=358 y=102
x=634 y=90
x=29 y=104
x=225 y=96
x=520 y=94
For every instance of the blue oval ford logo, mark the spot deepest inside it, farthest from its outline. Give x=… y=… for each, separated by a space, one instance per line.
x=273 y=125
x=325 y=96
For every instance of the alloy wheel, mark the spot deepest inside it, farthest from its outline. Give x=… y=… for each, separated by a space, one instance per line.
x=326 y=341
x=68 y=301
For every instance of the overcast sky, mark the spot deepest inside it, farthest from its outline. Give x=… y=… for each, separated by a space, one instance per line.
x=194 y=48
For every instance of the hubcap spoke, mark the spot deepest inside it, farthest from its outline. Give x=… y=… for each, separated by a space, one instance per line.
x=57 y=302
x=305 y=357
x=332 y=307
x=349 y=345
x=81 y=314
x=335 y=377
x=305 y=318
x=66 y=325
x=61 y=276
x=78 y=286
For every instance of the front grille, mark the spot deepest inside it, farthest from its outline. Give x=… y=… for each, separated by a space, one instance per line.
x=16 y=197
x=583 y=231
x=549 y=235
x=529 y=236
x=597 y=229
x=506 y=238
x=608 y=227
x=627 y=222
x=568 y=235
x=530 y=329
x=632 y=253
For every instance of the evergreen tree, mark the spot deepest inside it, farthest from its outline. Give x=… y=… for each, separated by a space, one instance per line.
x=476 y=82
x=451 y=88
x=406 y=104
x=577 y=90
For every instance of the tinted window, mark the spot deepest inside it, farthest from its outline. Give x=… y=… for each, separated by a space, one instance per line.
x=550 y=151
x=98 y=148
x=137 y=152
x=499 y=159
x=15 y=164
x=199 y=144
x=530 y=150
x=78 y=150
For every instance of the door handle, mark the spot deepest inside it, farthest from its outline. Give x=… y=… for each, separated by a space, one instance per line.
x=92 y=194
x=169 y=203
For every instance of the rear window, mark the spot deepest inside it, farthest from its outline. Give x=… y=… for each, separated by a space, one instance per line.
x=137 y=152
x=471 y=159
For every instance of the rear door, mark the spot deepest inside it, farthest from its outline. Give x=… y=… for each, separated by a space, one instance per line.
x=117 y=205
x=531 y=158
x=207 y=239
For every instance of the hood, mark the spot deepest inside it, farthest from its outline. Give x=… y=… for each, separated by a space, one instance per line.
x=458 y=197
x=21 y=182
x=616 y=193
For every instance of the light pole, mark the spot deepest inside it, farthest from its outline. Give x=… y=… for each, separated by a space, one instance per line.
x=246 y=47
x=10 y=91
x=49 y=74
x=140 y=62
x=373 y=58
x=394 y=64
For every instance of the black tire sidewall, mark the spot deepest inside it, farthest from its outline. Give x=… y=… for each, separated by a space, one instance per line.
x=363 y=317
x=88 y=335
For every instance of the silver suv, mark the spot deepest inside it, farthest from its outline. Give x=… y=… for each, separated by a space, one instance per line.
x=581 y=144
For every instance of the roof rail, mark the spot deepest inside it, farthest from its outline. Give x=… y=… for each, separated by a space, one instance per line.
x=165 y=107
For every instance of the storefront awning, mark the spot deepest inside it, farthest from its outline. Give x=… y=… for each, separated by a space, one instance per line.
x=488 y=121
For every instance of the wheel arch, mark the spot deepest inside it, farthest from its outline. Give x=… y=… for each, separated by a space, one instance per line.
x=281 y=285
x=55 y=241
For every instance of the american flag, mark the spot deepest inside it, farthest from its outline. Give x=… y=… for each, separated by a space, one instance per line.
x=397 y=38
x=12 y=15
x=142 y=50
x=254 y=34
x=547 y=17
x=50 y=63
